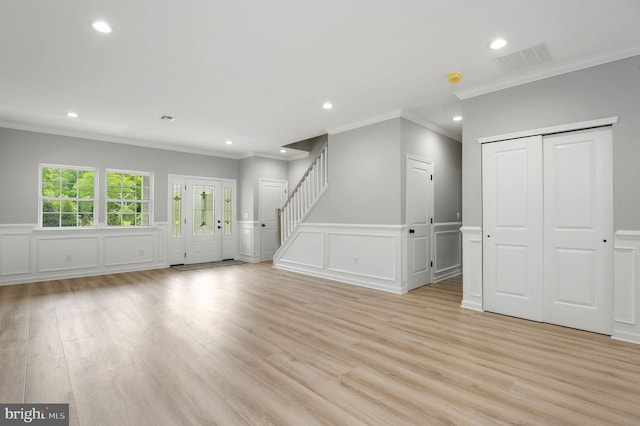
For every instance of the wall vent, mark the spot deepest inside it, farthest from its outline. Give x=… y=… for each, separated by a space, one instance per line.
x=525 y=58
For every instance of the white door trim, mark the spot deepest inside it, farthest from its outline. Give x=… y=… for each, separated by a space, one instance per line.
x=580 y=125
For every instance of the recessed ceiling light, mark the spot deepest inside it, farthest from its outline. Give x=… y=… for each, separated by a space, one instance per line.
x=498 y=43
x=72 y=114
x=101 y=26
x=229 y=142
x=327 y=105
x=283 y=151
x=457 y=118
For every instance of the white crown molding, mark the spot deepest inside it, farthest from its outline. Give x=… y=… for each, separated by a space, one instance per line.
x=366 y=122
x=429 y=125
x=108 y=138
x=297 y=156
x=552 y=70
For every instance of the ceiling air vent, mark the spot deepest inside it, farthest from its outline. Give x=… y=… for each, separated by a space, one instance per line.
x=525 y=58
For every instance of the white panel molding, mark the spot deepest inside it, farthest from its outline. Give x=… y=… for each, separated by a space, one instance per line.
x=472 y=267
x=580 y=125
x=558 y=68
x=38 y=254
x=447 y=250
x=364 y=255
x=128 y=249
x=67 y=253
x=626 y=284
x=15 y=253
x=249 y=247
x=381 y=245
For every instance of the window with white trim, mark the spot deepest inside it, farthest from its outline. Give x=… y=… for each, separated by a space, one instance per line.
x=67 y=196
x=129 y=198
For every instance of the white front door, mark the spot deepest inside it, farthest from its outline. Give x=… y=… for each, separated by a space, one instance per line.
x=204 y=223
x=200 y=232
x=419 y=199
x=578 y=232
x=272 y=196
x=512 y=227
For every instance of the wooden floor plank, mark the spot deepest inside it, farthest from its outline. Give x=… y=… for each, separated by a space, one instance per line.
x=248 y=344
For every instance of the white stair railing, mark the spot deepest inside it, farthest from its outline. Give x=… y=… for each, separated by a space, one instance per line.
x=305 y=195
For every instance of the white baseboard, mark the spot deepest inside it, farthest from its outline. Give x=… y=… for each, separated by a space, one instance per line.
x=471 y=305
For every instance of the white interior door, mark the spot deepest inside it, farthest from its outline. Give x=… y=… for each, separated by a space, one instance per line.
x=578 y=235
x=203 y=220
x=512 y=226
x=419 y=199
x=272 y=195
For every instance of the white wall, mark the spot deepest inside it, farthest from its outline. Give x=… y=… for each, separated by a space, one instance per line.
x=21 y=153
x=364 y=177
x=603 y=91
x=446 y=155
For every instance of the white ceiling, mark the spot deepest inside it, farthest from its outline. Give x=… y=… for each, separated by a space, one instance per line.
x=257 y=72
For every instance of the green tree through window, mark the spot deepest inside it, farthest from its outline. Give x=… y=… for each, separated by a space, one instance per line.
x=128 y=198
x=67 y=197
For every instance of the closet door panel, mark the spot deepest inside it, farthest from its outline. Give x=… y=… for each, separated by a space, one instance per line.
x=578 y=234
x=512 y=227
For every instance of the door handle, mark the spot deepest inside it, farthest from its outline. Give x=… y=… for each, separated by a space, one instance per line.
x=219 y=227
x=412 y=231
x=263 y=225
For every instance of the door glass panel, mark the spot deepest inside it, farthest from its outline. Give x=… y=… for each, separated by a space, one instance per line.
x=176 y=211
x=227 y=211
x=203 y=213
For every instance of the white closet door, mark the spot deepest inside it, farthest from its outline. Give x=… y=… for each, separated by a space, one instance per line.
x=578 y=235
x=512 y=226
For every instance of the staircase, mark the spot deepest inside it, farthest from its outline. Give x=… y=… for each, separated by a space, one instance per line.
x=304 y=196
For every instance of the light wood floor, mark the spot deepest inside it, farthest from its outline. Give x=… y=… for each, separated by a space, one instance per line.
x=248 y=344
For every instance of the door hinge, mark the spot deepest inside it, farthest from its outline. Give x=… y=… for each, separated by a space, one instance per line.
x=432 y=263
x=185 y=254
x=185 y=220
x=185 y=187
x=431 y=177
x=431 y=220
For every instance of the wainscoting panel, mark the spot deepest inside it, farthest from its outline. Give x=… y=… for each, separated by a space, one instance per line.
x=626 y=296
x=15 y=250
x=128 y=249
x=365 y=255
x=447 y=250
x=29 y=254
x=307 y=250
x=249 y=243
x=472 y=267
x=65 y=253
